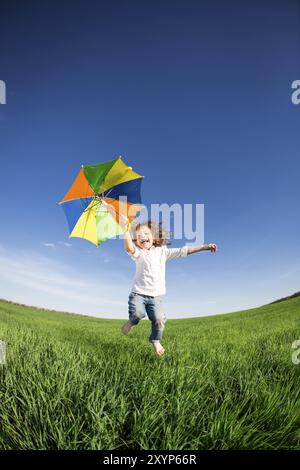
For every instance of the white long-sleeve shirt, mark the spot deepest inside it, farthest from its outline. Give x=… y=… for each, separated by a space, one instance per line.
x=151 y=267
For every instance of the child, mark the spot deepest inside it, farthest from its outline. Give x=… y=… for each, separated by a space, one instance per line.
x=148 y=250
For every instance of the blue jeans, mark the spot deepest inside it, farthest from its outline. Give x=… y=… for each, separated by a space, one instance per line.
x=139 y=305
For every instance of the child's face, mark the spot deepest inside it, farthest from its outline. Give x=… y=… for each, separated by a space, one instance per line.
x=144 y=238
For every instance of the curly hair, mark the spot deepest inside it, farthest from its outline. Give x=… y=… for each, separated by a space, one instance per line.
x=161 y=236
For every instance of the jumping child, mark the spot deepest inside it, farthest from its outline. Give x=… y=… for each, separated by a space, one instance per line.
x=149 y=251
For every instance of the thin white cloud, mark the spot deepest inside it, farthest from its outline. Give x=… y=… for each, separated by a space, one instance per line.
x=40 y=280
x=49 y=245
x=66 y=244
x=290 y=272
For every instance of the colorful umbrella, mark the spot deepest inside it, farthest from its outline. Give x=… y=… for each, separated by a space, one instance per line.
x=102 y=199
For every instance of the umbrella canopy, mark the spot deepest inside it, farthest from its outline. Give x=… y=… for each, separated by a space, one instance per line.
x=102 y=199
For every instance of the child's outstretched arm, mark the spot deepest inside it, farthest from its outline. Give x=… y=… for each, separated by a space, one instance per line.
x=128 y=243
x=195 y=249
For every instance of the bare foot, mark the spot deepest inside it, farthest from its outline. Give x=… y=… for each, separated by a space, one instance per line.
x=158 y=348
x=126 y=328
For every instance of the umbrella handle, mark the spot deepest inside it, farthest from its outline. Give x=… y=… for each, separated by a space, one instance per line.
x=126 y=221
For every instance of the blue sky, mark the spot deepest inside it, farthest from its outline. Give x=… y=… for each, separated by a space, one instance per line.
x=193 y=95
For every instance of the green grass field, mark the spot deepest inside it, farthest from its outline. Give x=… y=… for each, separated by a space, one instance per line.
x=225 y=382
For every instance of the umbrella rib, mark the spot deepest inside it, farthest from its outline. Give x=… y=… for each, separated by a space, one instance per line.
x=93 y=204
x=109 y=191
